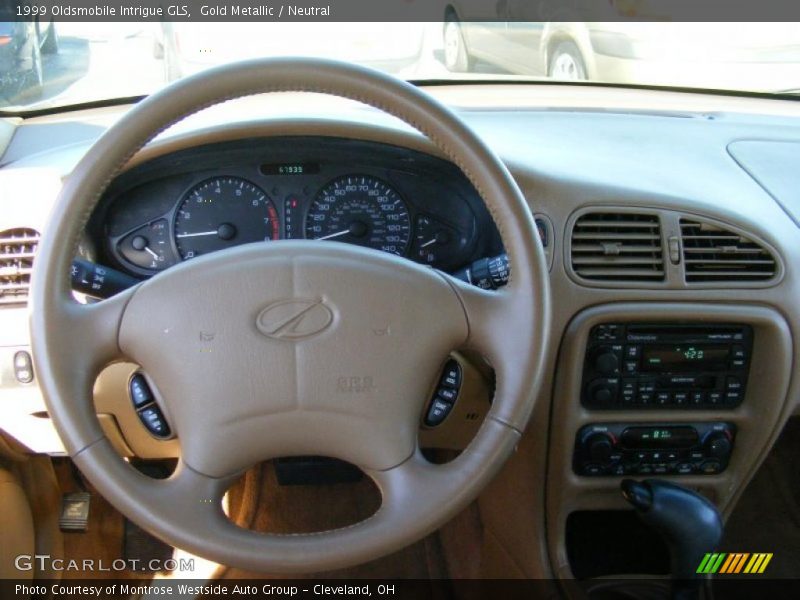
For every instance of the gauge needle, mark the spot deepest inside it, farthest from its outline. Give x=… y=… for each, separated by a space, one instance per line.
x=333 y=235
x=185 y=235
x=150 y=252
x=426 y=244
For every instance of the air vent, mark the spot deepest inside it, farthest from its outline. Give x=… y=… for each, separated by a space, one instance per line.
x=712 y=253
x=17 y=249
x=617 y=247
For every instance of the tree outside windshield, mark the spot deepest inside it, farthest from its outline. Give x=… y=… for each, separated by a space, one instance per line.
x=65 y=63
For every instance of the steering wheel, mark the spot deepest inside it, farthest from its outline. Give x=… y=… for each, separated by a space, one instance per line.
x=247 y=348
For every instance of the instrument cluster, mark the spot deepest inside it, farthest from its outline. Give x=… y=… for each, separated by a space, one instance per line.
x=206 y=199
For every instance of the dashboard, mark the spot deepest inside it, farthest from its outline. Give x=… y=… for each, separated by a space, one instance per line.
x=214 y=197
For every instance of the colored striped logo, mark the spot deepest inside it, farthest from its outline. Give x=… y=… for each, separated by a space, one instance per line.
x=734 y=563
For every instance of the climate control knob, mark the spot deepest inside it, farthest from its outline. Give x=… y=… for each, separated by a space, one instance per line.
x=599 y=446
x=718 y=445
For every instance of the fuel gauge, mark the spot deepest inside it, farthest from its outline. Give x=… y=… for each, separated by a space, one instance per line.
x=437 y=244
x=148 y=247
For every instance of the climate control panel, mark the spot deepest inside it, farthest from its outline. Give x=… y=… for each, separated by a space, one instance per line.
x=616 y=449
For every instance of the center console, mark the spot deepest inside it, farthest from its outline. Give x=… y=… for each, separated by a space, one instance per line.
x=675 y=366
x=688 y=392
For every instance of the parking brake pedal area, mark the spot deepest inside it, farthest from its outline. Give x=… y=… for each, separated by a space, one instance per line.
x=75 y=512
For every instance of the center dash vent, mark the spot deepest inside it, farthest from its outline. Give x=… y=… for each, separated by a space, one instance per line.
x=624 y=247
x=713 y=253
x=17 y=250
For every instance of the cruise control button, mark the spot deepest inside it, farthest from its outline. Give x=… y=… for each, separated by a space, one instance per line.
x=154 y=421
x=140 y=391
x=437 y=413
x=447 y=394
x=452 y=374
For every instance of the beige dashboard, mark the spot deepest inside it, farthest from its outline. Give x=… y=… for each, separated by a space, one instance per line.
x=572 y=150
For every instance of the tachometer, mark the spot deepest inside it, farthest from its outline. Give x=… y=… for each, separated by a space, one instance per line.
x=361 y=210
x=222 y=212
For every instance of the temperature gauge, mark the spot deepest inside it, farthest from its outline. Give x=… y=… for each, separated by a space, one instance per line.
x=437 y=244
x=148 y=247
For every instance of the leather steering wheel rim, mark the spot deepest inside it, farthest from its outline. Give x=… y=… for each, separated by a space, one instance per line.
x=73 y=342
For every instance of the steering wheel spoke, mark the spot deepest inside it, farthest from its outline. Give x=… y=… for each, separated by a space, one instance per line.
x=94 y=329
x=501 y=326
x=85 y=337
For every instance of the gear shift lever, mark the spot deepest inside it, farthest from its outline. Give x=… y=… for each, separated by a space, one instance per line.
x=690 y=525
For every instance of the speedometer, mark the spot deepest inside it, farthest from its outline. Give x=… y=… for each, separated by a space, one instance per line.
x=361 y=210
x=222 y=212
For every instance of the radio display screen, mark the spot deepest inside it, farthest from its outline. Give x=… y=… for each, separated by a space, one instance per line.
x=685 y=357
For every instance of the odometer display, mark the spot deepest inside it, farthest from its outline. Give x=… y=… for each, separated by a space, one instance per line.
x=222 y=212
x=361 y=210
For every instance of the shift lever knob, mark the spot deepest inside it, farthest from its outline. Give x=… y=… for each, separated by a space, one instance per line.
x=689 y=524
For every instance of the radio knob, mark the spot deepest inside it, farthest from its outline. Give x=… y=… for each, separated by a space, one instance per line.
x=599 y=446
x=602 y=393
x=606 y=362
x=717 y=445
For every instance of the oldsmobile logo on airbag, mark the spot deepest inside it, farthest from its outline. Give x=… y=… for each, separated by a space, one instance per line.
x=294 y=319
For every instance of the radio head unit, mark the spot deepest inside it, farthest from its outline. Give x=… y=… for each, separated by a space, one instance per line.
x=675 y=365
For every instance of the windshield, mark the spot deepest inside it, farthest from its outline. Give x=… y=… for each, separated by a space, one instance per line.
x=46 y=65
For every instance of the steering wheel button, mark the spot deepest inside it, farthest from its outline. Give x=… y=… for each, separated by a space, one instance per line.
x=154 y=421
x=437 y=413
x=448 y=394
x=452 y=375
x=140 y=391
